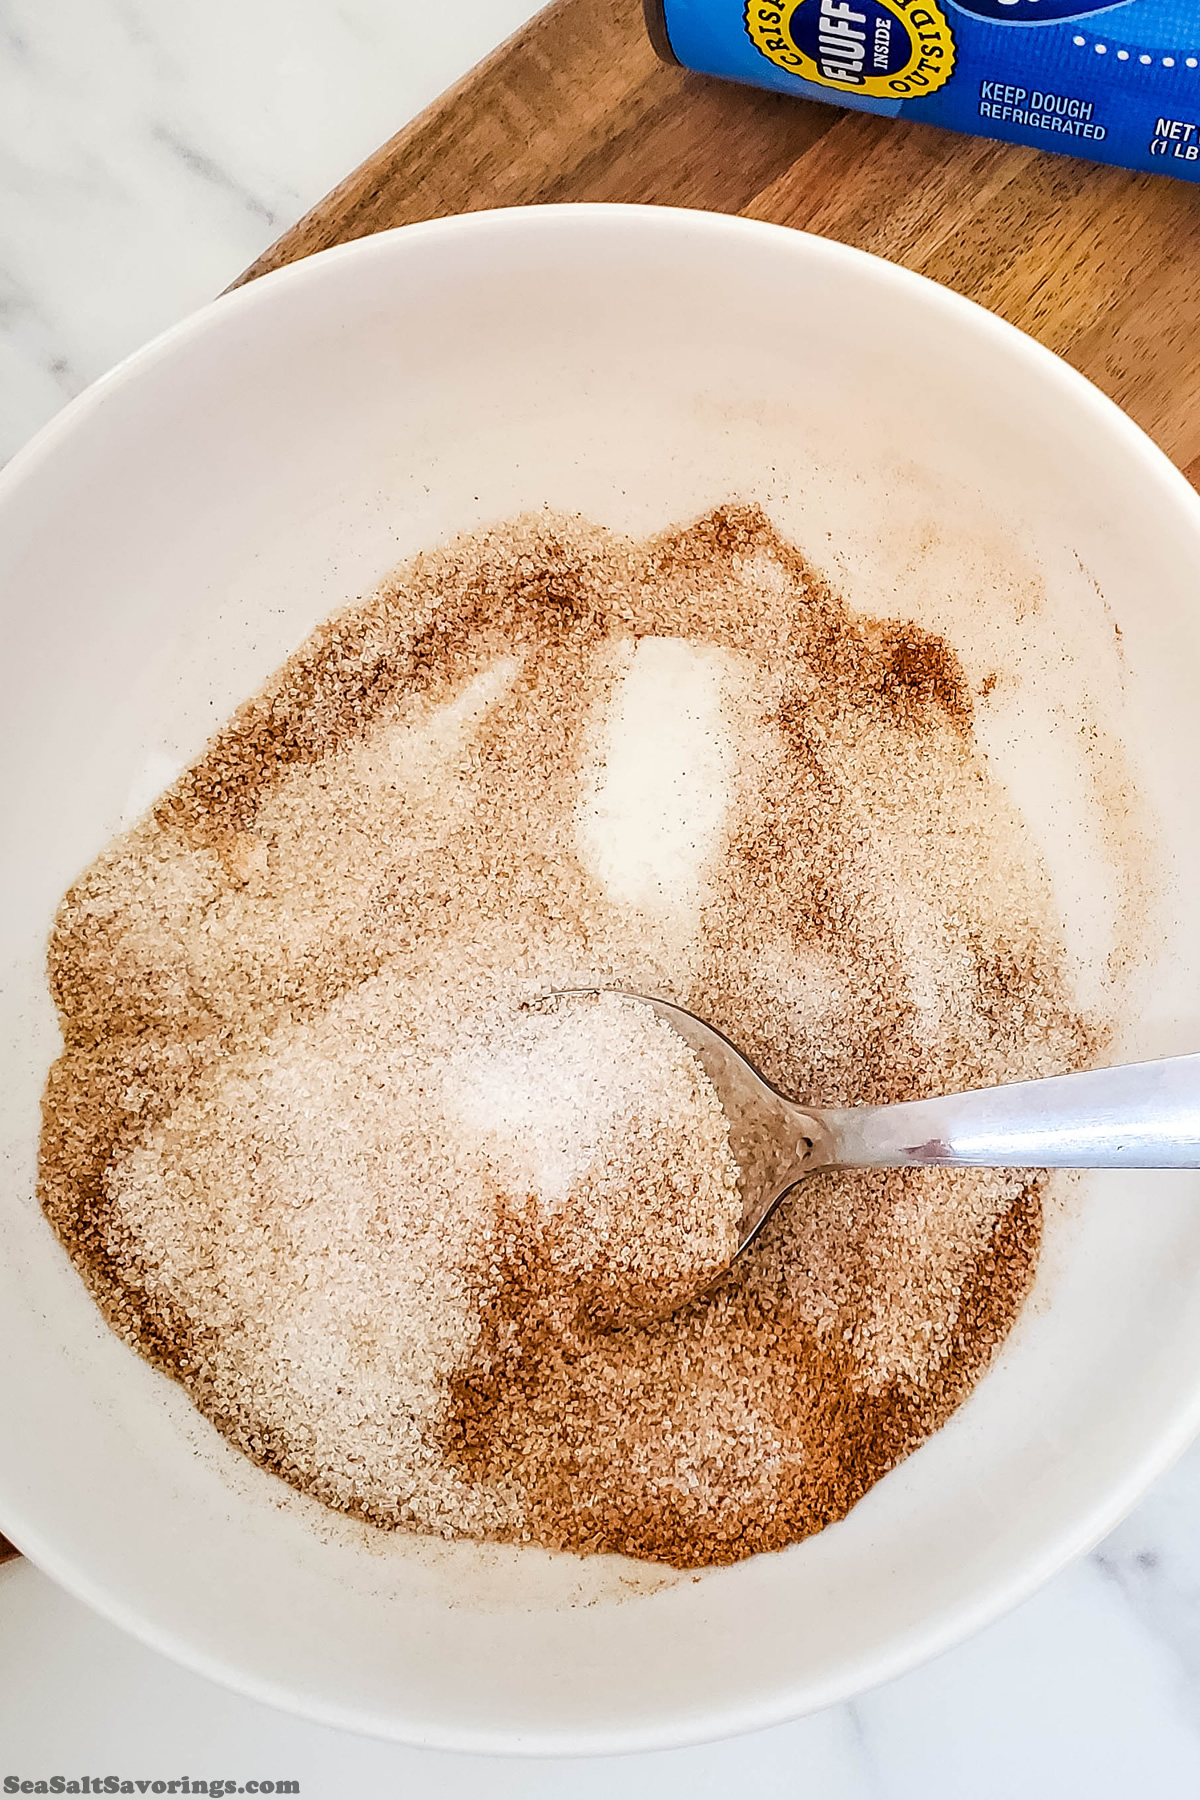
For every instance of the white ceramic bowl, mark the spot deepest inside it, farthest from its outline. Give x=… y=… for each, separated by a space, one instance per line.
x=176 y=532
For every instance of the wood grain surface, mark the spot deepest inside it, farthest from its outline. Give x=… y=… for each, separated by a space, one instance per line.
x=1101 y=264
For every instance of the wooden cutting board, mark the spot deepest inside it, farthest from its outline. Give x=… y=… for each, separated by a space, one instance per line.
x=1101 y=265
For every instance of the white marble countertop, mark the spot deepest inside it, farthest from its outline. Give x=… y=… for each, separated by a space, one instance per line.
x=149 y=149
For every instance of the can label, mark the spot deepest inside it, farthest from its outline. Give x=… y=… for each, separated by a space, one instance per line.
x=1114 y=80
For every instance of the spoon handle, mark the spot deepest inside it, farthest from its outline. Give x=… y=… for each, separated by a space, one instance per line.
x=1142 y=1116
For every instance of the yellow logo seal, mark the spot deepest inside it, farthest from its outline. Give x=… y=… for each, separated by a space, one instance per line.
x=890 y=49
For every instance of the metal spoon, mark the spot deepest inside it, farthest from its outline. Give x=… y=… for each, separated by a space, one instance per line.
x=1142 y=1116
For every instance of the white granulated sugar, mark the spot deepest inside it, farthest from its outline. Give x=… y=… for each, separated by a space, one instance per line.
x=423 y=754
x=326 y=1224
x=545 y=1094
x=339 y=1188
x=809 y=989
x=554 y=1090
x=654 y=809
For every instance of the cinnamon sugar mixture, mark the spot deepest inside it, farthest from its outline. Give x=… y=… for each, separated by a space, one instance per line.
x=322 y=1152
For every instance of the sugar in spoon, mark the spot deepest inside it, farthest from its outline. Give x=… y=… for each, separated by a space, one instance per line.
x=1140 y=1116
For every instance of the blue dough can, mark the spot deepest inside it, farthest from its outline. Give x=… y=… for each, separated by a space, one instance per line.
x=1118 y=84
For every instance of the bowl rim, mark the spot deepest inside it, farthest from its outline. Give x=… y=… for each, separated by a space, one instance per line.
x=927 y=1639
